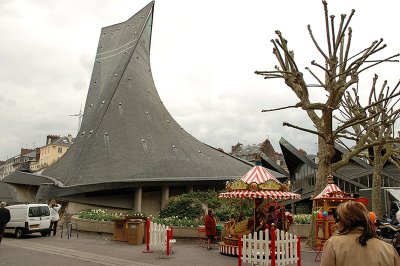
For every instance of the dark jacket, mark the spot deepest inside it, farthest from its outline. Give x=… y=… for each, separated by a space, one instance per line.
x=4 y=216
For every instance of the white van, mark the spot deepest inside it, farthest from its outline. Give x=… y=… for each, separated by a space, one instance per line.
x=29 y=218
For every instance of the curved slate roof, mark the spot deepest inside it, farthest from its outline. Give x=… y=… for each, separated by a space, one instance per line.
x=23 y=178
x=127 y=134
x=294 y=158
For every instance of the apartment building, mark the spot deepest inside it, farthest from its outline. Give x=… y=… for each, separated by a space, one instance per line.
x=54 y=149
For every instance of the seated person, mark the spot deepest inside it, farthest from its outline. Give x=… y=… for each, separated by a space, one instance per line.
x=261 y=225
x=272 y=218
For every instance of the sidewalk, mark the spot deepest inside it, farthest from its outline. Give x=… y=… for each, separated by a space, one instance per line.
x=99 y=249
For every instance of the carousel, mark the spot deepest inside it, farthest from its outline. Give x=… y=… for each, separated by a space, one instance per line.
x=325 y=205
x=268 y=195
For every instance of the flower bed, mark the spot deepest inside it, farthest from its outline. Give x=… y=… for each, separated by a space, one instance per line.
x=181 y=222
x=302 y=218
x=104 y=215
x=302 y=225
x=93 y=225
x=101 y=221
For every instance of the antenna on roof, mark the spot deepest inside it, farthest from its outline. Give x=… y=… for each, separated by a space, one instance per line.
x=79 y=115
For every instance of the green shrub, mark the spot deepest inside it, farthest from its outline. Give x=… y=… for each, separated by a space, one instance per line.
x=236 y=208
x=191 y=206
x=208 y=198
x=181 y=207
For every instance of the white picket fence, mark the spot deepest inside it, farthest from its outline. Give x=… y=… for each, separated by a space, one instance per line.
x=158 y=236
x=256 y=249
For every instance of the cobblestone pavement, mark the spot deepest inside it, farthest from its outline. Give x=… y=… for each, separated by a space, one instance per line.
x=98 y=249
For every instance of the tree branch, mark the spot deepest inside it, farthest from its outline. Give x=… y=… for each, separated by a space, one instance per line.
x=328 y=38
x=379 y=62
x=281 y=108
x=304 y=129
x=316 y=44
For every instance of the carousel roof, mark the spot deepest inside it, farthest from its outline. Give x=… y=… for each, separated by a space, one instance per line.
x=259 y=194
x=331 y=191
x=258 y=183
x=259 y=175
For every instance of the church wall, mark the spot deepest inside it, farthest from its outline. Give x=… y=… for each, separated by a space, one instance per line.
x=26 y=193
x=115 y=202
x=151 y=202
x=76 y=207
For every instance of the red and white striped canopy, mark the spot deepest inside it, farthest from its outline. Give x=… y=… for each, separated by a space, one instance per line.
x=331 y=191
x=259 y=175
x=259 y=194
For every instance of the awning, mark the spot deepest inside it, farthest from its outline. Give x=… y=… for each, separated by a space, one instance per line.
x=260 y=194
x=395 y=193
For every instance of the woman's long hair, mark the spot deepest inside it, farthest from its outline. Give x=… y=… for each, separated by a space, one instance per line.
x=353 y=215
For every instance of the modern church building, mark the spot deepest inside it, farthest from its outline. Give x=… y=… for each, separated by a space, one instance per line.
x=130 y=153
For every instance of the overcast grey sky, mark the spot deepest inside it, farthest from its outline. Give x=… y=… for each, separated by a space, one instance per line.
x=203 y=56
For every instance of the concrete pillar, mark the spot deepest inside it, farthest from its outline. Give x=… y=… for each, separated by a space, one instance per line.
x=164 y=196
x=137 y=203
x=189 y=188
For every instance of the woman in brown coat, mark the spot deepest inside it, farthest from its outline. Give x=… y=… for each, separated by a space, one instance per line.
x=211 y=227
x=356 y=243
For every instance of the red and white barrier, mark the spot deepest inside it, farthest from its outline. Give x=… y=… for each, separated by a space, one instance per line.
x=281 y=249
x=158 y=237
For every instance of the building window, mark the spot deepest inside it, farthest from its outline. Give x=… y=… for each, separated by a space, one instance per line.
x=59 y=149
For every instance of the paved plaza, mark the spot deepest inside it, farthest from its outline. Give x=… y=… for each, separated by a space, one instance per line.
x=98 y=249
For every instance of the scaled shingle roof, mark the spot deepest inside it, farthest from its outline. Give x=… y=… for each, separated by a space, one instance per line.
x=127 y=134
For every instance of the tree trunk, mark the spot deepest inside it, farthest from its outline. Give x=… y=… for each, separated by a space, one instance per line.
x=325 y=155
x=377 y=182
x=326 y=150
x=324 y=166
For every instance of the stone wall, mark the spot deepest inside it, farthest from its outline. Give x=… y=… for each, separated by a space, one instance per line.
x=301 y=230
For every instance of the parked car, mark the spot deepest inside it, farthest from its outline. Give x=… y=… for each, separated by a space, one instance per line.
x=28 y=219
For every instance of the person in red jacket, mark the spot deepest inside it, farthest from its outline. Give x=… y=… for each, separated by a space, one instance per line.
x=211 y=227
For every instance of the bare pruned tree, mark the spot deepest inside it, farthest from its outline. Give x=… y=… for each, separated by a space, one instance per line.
x=340 y=71
x=376 y=131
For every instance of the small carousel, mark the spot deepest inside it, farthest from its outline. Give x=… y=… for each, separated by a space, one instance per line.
x=325 y=205
x=268 y=194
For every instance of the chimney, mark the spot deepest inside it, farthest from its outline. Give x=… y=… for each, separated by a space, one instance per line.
x=70 y=139
x=51 y=138
x=25 y=151
x=37 y=150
